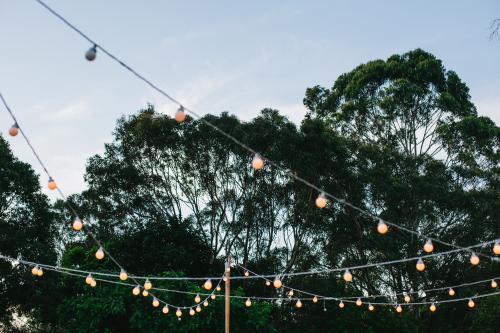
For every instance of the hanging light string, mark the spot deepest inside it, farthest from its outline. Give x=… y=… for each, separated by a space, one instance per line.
x=258 y=159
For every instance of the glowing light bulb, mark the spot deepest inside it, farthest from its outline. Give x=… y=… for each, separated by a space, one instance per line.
x=148 y=285
x=165 y=309
x=136 y=291
x=382 y=228
x=197 y=299
x=40 y=271
x=123 y=275
x=268 y=283
x=213 y=296
x=208 y=284
x=224 y=279
x=205 y=304
x=246 y=273
x=257 y=162
x=218 y=288
x=14 y=130
x=290 y=293
x=298 y=305
x=315 y=299
x=248 y=303
x=99 y=254
x=34 y=270
x=77 y=224
x=52 y=184
x=407 y=298
x=432 y=307
x=145 y=293
x=93 y=283
x=494 y=284
x=371 y=307
x=191 y=312
x=359 y=302
x=347 y=276
x=399 y=309
x=180 y=115
x=91 y=53
x=420 y=265
x=451 y=292
x=474 y=259
x=321 y=200
x=198 y=308
x=428 y=246
x=178 y=313
x=496 y=248
x=471 y=303
x=277 y=283
x=228 y=269
x=155 y=303
x=88 y=279
x=341 y=305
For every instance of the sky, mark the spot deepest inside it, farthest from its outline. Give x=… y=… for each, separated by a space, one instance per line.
x=213 y=56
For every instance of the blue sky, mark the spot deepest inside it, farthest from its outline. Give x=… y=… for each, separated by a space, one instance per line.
x=214 y=56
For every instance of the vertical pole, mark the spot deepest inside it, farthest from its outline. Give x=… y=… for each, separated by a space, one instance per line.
x=228 y=292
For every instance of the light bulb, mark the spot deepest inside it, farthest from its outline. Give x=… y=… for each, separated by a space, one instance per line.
x=191 y=312
x=371 y=307
x=197 y=299
x=52 y=184
x=147 y=285
x=205 y=304
x=14 y=130
x=155 y=303
x=90 y=55
x=165 y=309
x=218 y=288
x=257 y=162
x=471 y=303
x=248 y=303
x=474 y=259
x=40 y=271
x=341 y=305
x=198 y=308
x=228 y=269
x=77 y=224
x=359 y=302
x=93 y=283
x=268 y=283
x=496 y=248
x=136 y=291
x=277 y=283
x=399 y=309
x=290 y=293
x=494 y=284
x=315 y=299
x=382 y=228
x=99 y=254
x=428 y=246
x=213 y=296
x=88 y=279
x=347 y=276
x=420 y=265
x=34 y=270
x=180 y=115
x=224 y=278
x=208 y=284
x=246 y=273
x=451 y=292
x=298 y=305
x=178 y=313
x=123 y=275
x=145 y=293
x=321 y=200
x=407 y=298
x=432 y=307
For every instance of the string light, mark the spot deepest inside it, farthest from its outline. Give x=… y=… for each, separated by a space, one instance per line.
x=197 y=298
x=315 y=299
x=145 y=293
x=178 y=313
x=496 y=248
x=371 y=307
x=474 y=259
x=213 y=296
x=136 y=291
x=428 y=246
x=148 y=285
x=347 y=276
x=77 y=224
x=88 y=279
x=432 y=307
x=399 y=309
x=99 y=254
x=52 y=184
x=208 y=284
x=451 y=292
x=123 y=275
x=382 y=228
x=321 y=200
x=420 y=265
x=268 y=283
x=39 y=272
x=14 y=130
x=180 y=115
x=228 y=269
x=218 y=288
x=471 y=303
x=224 y=279
x=198 y=308
x=341 y=305
x=34 y=270
x=248 y=303
x=165 y=309
x=247 y=274
x=298 y=305
x=277 y=283
x=205 y=304
x=156 y=303
x=91 y=53
x=407 y=298
x=290 y=293
x=493 y=284
x=191 y=312
x=257 y=162
x=93 y=283
x=359 y=302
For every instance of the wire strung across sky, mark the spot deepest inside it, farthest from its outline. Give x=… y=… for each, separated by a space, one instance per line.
x=289 y=172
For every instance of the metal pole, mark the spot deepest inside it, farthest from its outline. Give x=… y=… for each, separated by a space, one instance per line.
x=228 y=293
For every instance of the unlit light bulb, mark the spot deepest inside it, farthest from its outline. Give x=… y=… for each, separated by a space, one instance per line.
x=91 y=53
x=14 y=130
